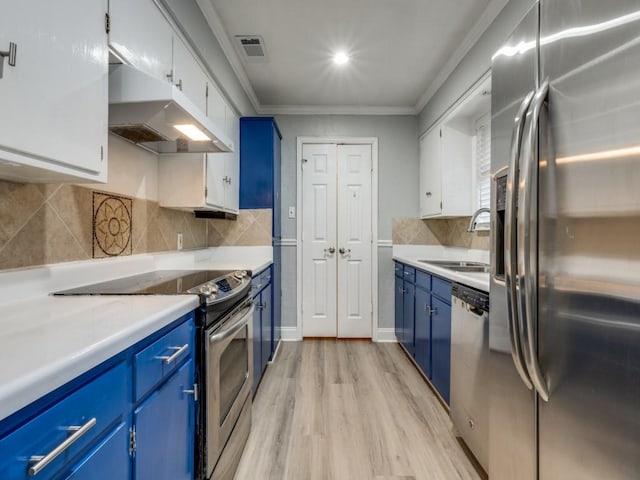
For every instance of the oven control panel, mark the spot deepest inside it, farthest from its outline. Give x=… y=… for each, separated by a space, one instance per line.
x=219 y=289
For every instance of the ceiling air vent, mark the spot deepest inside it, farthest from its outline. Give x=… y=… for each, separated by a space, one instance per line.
x=252 y=48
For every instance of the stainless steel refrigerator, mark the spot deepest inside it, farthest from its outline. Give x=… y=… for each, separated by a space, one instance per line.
x=565 y=288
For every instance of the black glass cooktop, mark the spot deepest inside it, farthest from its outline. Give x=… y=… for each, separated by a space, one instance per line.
x=159 y=282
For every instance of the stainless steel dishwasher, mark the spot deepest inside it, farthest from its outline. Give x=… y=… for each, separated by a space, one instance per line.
x=470 y=369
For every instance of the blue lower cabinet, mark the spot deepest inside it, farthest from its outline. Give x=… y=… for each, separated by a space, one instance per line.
x=399 y=306
x=441 y=346
x=257 y=344
x=139 y=398
x=408 y=314
x=423 y=331
x=109 y=460
x=263 y=324
x=164 y=426
x=267 y=327
x=96 y=406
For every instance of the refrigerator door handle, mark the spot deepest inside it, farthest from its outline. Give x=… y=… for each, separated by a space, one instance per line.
x=528 y=236
x=510 y=247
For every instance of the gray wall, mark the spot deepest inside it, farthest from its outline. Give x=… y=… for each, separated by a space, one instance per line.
x=475 y=63
x=193 y=24
x=398 y=167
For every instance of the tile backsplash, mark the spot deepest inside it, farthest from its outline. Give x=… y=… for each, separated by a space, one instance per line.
x=450 y=232
x=53 y=223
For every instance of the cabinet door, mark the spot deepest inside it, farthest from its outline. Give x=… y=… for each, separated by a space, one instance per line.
x=457 y=186
x=399 y=306
x=215 y=184
x=188 y=76
x=59 y=83
x=409 y=317
x=256 y=163
x=109 y=460
x=232 y=163
x=267 y=309
x=430 y=174
x=257 y=343
x=216 y=107
x=441 y=346
x=141 y=36
x=423 y=331
x=165 y=430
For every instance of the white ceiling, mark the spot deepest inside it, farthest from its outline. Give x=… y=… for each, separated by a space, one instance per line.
x=401 y=50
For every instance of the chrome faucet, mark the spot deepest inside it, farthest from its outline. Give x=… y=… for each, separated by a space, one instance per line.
x=476 y=214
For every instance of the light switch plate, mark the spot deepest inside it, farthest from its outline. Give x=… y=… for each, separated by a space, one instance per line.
x=292 y=212
x=179 y=241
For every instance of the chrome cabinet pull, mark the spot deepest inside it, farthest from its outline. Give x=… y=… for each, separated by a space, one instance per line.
x=330 y=250
x=171 y=358
x=38 y=462
x=11 y=53
x=179 y=85
x=510 y=247
x=528 y=233
x=345 y=251
x=193 y=391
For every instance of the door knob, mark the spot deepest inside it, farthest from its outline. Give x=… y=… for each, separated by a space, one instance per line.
x=344 y=251
x=330 y=250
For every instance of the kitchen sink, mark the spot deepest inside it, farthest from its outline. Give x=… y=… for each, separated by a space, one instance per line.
x=459 y=266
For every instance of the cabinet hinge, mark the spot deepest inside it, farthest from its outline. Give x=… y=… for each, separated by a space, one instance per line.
x=206 y=91
x=440 y=205
x=440 y=133
x=132 y=441
x=101 y=153
x=206 y=192
x=107 y=23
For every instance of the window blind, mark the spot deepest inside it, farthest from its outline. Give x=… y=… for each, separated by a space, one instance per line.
x=483 y=168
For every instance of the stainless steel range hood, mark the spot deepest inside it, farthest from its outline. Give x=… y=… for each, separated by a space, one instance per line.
x=150 y=112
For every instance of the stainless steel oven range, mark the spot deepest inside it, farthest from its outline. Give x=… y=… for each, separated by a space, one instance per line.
x=224 y=356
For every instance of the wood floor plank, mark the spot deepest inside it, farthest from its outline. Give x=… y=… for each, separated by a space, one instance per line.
x=341 y=410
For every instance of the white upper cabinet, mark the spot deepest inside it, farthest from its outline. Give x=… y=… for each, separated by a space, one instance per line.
x=216 y=107
x=430 y=174
x=141 y=36
x=232 y=162
x=223 y=171
x=188 y=75
x=54 y=91
x=447 y=159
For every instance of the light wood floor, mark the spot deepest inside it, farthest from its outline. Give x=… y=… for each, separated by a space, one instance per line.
x=336 y=410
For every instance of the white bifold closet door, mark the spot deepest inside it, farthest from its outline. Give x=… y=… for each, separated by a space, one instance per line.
x=336 y=241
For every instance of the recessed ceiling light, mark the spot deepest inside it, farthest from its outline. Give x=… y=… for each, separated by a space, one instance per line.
x=340 y=58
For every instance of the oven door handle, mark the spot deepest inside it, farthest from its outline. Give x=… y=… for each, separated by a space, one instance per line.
x=235 y=326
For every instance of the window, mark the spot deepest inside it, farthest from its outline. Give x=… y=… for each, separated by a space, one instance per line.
x=483 y=169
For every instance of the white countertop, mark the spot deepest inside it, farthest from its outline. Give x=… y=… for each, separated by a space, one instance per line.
x=48 y=341
x=411 y=255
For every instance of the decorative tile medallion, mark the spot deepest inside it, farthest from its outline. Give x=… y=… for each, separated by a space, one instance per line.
x=112 y=225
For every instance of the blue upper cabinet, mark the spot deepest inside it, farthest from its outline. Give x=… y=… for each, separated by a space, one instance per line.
x=260 y=166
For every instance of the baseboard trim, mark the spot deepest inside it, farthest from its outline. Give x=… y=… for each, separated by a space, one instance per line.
x=289 y=334
x=387 y=335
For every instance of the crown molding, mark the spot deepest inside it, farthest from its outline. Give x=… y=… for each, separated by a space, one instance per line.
x=488 y=16
x=335 y=110
x=217 y=27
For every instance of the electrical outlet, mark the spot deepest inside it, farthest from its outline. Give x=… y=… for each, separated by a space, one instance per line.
x=179 y=241
x=292 y=212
